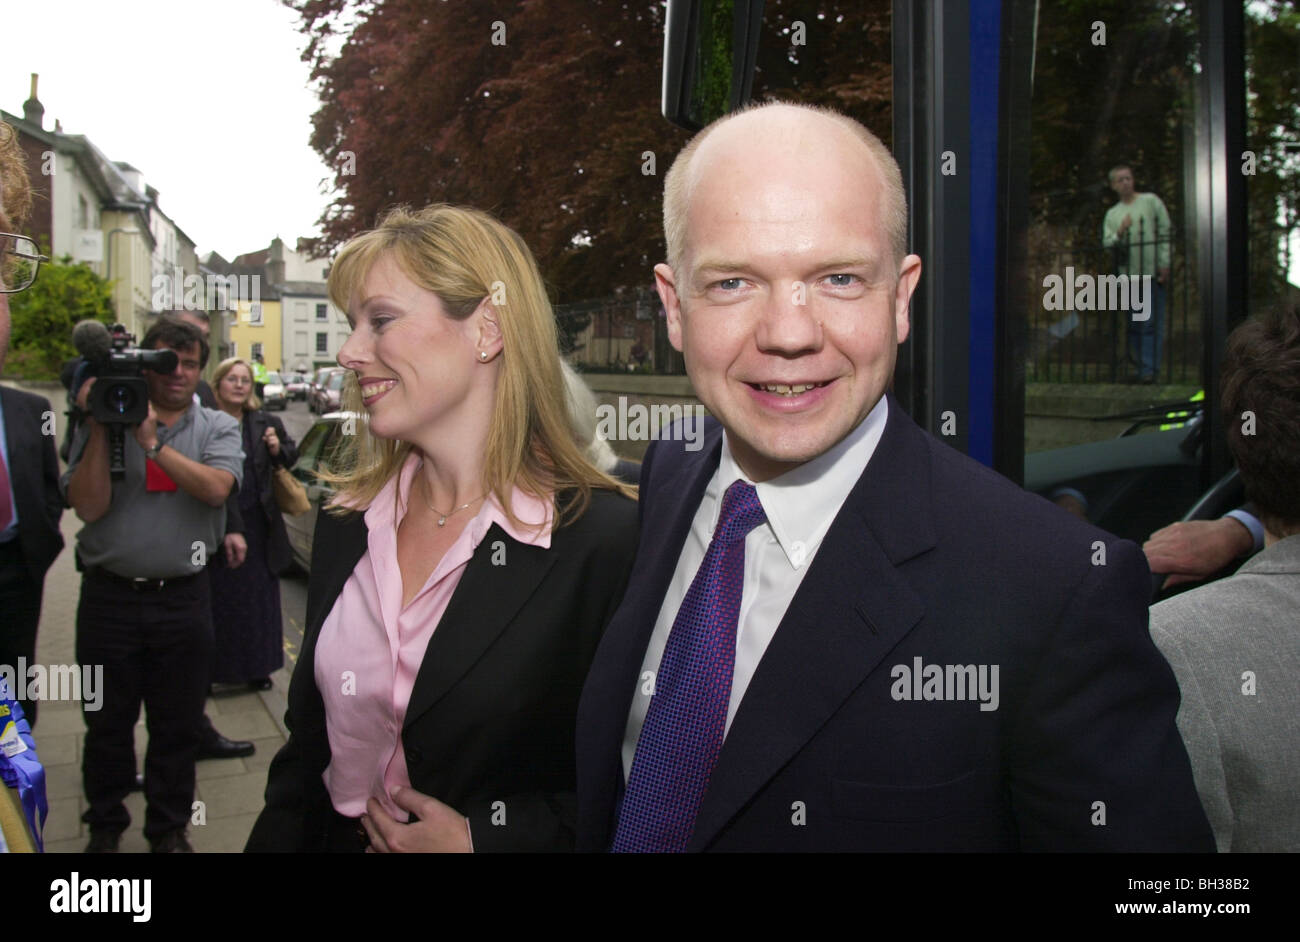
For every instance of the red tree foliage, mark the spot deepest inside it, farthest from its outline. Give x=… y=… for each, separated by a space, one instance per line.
x=543 y=111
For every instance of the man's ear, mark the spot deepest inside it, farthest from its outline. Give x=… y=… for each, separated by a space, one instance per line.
x=666 y=285
x=909 y=273
x=489 y=330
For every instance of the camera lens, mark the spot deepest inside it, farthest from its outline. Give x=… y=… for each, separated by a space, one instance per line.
x=121 y=399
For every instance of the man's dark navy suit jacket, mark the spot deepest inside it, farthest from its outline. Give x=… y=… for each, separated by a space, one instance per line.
x=933 y=557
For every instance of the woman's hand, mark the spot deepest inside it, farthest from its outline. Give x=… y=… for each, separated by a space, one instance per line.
x=439 y=830
x=272 y=442
x=236 y=548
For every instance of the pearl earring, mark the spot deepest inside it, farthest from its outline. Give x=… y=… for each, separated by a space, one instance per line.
x=482 y=355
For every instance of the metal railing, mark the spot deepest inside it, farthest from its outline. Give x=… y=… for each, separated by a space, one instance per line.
x=1081 y=314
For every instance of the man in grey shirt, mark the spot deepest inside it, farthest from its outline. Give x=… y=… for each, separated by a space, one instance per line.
x=144 y=613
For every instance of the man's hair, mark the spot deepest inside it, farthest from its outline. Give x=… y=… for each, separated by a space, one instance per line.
x=1110 y=174
x=200 y=315
x=15 y=191
x=1261 y=375
x=175 y=333
x=893 y=210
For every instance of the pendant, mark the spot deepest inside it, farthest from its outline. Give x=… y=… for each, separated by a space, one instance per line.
x=441 y=521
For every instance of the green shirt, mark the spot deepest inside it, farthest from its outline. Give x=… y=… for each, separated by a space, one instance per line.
x=1148 y=238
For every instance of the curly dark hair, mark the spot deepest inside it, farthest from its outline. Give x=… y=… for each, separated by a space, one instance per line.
x=1261 y=410
x=15 y=190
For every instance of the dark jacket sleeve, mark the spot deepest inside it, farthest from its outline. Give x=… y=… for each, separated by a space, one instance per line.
x=298 y=812
x=288 y=447
x=1097 y=762
x=234 y=518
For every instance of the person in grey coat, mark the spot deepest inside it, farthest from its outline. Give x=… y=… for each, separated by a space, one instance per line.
x=1235 y=644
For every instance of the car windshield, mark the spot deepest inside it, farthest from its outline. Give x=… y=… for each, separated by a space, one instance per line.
x=336 y=381
x=273 y=379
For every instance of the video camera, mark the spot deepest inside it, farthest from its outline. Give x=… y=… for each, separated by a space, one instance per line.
x=120 y=396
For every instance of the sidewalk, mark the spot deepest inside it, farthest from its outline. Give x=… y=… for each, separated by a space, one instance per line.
x=230 y=789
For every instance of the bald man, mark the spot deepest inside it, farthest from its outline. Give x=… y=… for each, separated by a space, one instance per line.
x=839 y=633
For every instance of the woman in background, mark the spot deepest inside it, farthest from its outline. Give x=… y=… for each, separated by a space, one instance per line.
x=246 y=584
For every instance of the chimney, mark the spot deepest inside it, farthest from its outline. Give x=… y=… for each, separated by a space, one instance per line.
x=275 y=266
x=33 y=110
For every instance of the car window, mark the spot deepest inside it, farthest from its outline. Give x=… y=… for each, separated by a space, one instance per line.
x=332 y=445
x=336 y=381
x=309 y=451
x=273 y=379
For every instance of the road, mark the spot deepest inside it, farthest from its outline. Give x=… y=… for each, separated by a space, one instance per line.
x=293 y=586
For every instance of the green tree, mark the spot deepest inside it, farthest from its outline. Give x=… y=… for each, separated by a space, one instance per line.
x=43 y=317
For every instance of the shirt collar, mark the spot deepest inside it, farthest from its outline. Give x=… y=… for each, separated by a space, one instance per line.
x=535 y=515
x=801 y=504
x=186 y=417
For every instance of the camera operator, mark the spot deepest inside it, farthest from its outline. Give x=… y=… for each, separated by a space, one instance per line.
x=145 y=611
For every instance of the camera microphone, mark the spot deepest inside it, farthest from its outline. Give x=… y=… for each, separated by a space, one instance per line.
x=92 y=340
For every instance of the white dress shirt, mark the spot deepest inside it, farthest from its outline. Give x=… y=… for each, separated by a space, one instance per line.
x=800 y=506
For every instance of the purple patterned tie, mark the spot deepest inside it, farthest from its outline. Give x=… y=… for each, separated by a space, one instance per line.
x=684 y=727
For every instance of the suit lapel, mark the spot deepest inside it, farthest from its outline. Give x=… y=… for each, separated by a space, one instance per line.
x=486 y=600
x=851 y=609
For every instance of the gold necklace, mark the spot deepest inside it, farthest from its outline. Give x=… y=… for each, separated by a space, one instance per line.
x=442 y=517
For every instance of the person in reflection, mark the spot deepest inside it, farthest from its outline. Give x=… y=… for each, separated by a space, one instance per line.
x=463 y=574
x=1137 y=230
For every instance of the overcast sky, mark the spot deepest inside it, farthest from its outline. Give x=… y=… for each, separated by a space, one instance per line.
x=208 y=100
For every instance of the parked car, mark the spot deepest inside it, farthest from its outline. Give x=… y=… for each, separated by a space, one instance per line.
x=1142 y=480
x=273 y=394
x=327 y=396
x=314 y=452
x=296 y=386
x=317 y=382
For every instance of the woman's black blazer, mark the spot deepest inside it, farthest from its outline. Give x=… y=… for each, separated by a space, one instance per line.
x=278 y=554
x=489 y=728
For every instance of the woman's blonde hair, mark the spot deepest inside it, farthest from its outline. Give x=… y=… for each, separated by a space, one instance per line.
x=465 y=256
x=224 y=367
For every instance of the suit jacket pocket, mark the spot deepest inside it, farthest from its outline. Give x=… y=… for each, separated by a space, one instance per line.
x=866 y=802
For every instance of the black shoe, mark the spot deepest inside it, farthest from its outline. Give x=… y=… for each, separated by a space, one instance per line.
x=223 y=748
x=173 y=842
x=262 y=683
x=103 y=842
x=138 y=785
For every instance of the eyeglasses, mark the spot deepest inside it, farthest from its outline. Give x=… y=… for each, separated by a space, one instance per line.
x=19 y=263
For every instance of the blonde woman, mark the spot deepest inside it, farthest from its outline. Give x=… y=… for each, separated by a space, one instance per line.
x=246 y=622
x=463 y=573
